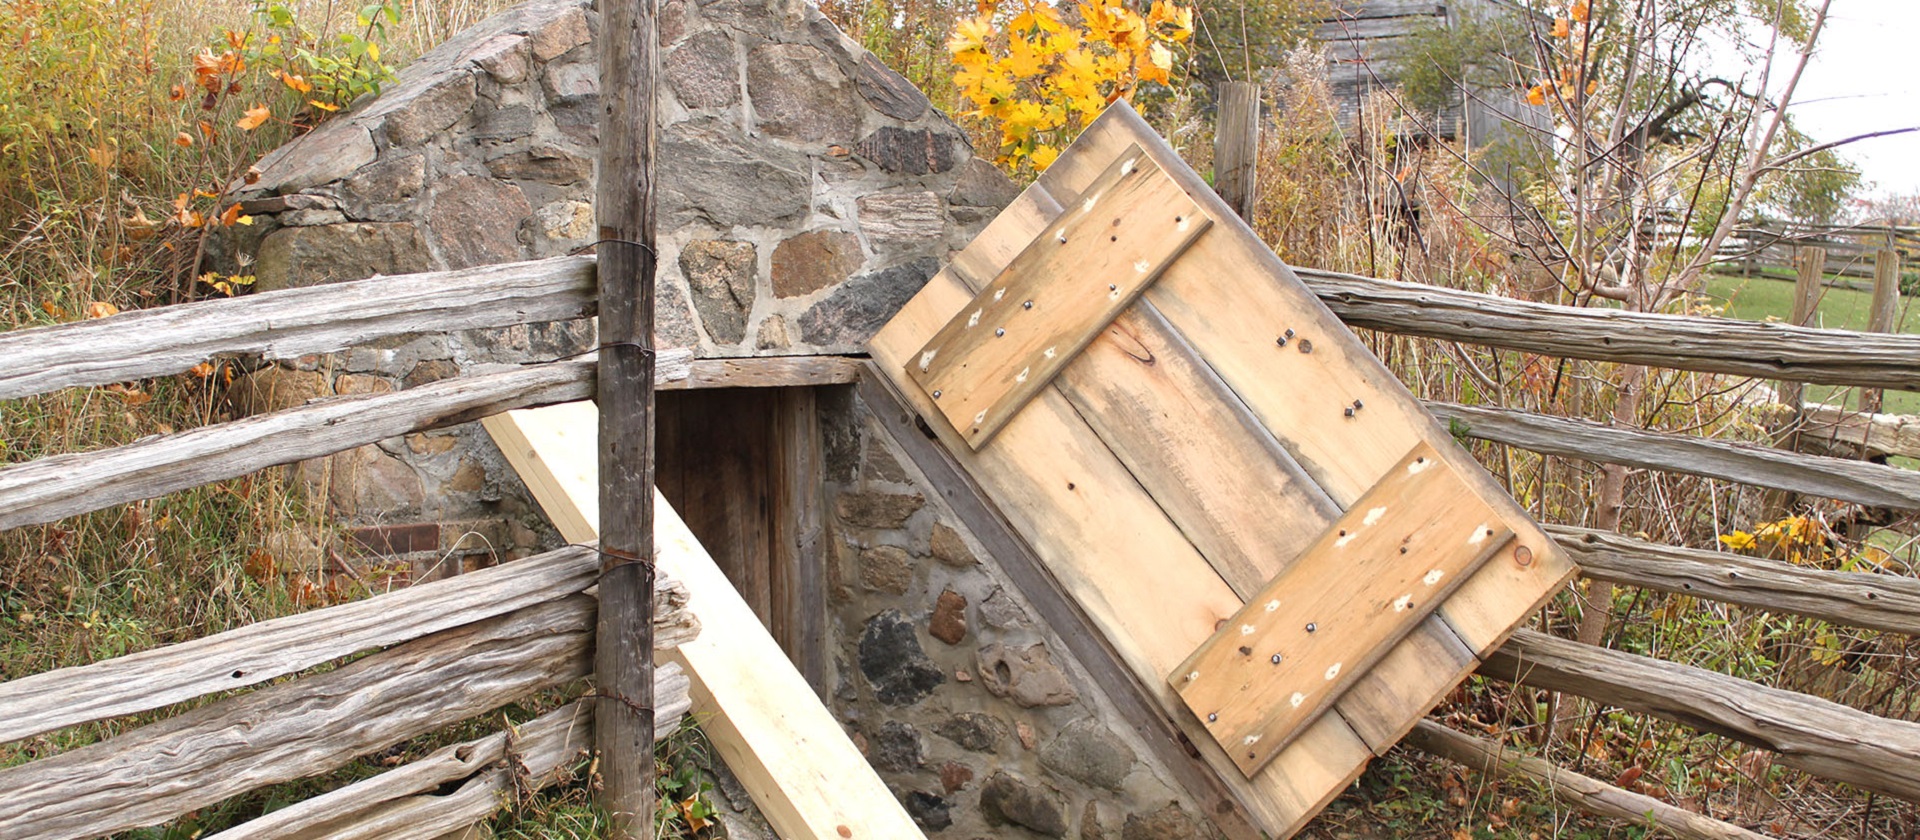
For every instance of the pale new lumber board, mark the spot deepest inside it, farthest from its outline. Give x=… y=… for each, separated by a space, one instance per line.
x=1308 y=635
x=296 y=729
x=1877 y=601
x=1716 y=345
x=1584 y=792
x=1037 y=314
x=406 y=803
x=1140 y=581
x=259 y=652
x=58 y=486
x=800 y=767
x=288 y=323
x=1747 y=463
x=1815 y=735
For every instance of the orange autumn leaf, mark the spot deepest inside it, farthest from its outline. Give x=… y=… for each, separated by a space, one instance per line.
x=253 y=175
x=256 y=116
x=1560 y=28
x=202 y=370
x=135 y=396
x=176 y=93
x=236 y=40
x=323 y=105
x=53 y=309
x=101 y=309
x=298 y=83
x=231 y=216
x=1537 y=95
x=206 y=129
x=183 y=140
x=1580 y=10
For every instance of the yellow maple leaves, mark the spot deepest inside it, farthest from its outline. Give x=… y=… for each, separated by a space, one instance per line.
x=1036 y=78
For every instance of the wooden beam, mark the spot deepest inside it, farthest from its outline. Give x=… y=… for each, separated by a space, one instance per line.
x=800 y=767
x=1236 y=145
x=1717 y=345
x=406 y=803
x=768 y=372
x=1874 y=435
x=1818 y=736
x=296 y=729
x=1129 y=694
x=1811 y=263
x=629 y=48
x=1884 y=312
x=1761 y=466
x=1859 y=599
x=1583 y=792
x=292 y=322
x=256 y=653
x=59 y=486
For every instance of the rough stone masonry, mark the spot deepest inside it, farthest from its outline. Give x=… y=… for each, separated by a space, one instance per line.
x=806 y=193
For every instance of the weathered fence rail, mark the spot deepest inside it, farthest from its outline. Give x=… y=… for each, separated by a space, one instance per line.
x=1713 y=345
x=1746 y=463
x=59 y=486
x=1859 y=599
x=1820 y=737
x=442 y=652
x=297 y=729
x=292 y=322
x=491 y=637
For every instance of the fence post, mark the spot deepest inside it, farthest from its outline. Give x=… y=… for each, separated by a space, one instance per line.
x=1236 y=145
x=624 y=206
x=1886 y=307
x=1812 y=264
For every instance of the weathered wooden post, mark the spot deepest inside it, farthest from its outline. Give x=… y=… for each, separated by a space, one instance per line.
x=1236 y=145
x=1886 y=307
x=624 y=205
x=1812 y=264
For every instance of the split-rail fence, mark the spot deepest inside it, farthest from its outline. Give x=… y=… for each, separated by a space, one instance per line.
x=452 y=649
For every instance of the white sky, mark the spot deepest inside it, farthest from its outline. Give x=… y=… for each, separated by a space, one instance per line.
x=1864 y=77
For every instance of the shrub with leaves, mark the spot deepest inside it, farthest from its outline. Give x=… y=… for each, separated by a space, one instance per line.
x=1036 y=78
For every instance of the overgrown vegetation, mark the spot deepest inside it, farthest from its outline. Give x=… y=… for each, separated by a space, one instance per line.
x=125 y=121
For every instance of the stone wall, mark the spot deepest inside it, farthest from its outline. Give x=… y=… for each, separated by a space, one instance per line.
x=806 y=193
x=972 y=709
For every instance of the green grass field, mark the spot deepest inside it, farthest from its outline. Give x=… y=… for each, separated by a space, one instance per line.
x=1758 y=299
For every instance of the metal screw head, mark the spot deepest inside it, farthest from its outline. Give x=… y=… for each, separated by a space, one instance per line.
x=1357 y=406
x=1027 y=305
x=1275 y=659
x=1349 y=412
x=1213 y=717
x=998 y=332
x=936 y=395
x=1289 y=333
x=1312 y=626
x=1112 y=288
x=1282 y=341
